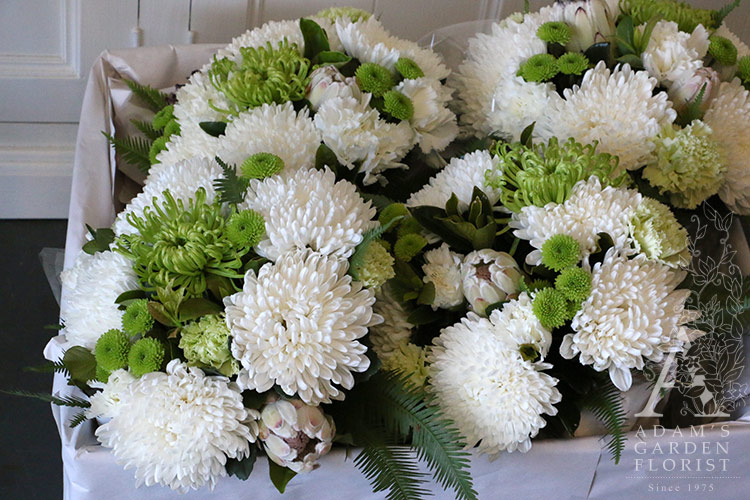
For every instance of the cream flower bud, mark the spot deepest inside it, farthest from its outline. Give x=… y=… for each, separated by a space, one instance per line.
x=326 y=83
x=442 y=269
x=591 y=21
x=688 y=86
x=295 y=435
x=489 y=277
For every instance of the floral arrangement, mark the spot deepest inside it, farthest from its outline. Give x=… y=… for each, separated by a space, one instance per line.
x=304 y=269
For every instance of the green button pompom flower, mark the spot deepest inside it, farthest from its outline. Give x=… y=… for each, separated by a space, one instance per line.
x=550 y=308
x=408 y=246
x=146 y=356
x=111 y=350
x=398 y=105
x=261 y=165
x=246 y=228
x=560 y=252
x=743 y=68
x=408 y=69
x=554 y=32
x=374 y=78
x=574 y=283
x=686 y=17
x=137 y=319
x=391 y=212
x=163 y=117
x=723 y=50
x=159 y=145
x=572 y=63
x=539 y=68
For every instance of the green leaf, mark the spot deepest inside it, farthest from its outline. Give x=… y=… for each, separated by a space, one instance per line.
x=77 y=419
x=421 y=316
x=153 y=98
x=72 y=401
x=160 y=314
x=49 y=367
x=633 y=60
x=316 y=39
x=625 y=32
x=460 y=228
x=215 y=129
x=374 y=367
x=280 y=476
x=427 y=295
x=254 y=399
x=325 y=157
x=133 y=150
x=406 y=275
x=641 y=38
x=484 y=237
x=527 y=135
x=605 y=402
x=599 y=52
x=130 y=295
x=147 y=129
x=230 y=187
x=196 y=307
x=432 y=219
x=722 y=13
x=391 y=468
x=81 y=364
x=331 y=58
x=451 y=206
x=495 y=305
x=693 y=109
x=242 y=468
x=219 y=286
x=379 y=201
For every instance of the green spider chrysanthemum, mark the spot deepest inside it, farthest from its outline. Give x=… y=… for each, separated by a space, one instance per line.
x=391 y=212
x=374 y=78
x=572 y=63
x=554 y=32
x=408 y=69
x=658 y=235
x=246 y=228
x=398 y=105
x=550 y=308
x=743 y=68
x=177 y=246
x=539 y=68
x=408 y=246
x=723 y=50
x=206 y=344
x=163 y=117
x=261 y=165
x=102 y=375
x=137 y=319
x=111 y=350
x=376 y=266
x=560 y=252
x=574 y=283
x=334 y=13
x=686 y=17
x=159 y=145
x=264 y=75
x=146 y=356
x=541 y=174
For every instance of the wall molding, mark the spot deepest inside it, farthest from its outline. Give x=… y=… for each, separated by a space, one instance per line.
x=66 y=64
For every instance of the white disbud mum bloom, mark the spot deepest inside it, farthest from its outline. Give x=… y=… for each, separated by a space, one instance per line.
x=326 y=83
x=687 y=87
x=443 y=269
x=591 y=21
x=489 y=277
x=295 y=435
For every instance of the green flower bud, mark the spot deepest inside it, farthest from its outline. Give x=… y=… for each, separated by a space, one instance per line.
x=398 y=105
x=408 y=246
x=743 y=68
x=723 y=50
x=554 y=32
x=374 y=78
x=561 y=251
x=574 y=283
x=245 y=228
x=137 y=319
x=539 y=68
x=111 y=350
x=408 y=69
x=172 y=128
x=551 y=308
x=146 y=356
x=261 y=165
x=408 y=226
x=572 y=63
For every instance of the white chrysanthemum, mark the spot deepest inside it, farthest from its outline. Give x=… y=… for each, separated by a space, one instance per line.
x=194 y=100
x=634 y=313
x=491 y=97
x=179 y=427
x=482 y=383
x=309 y=209
x=368 y=41
x=91 y=287
x=192 y=142
x=182 y=179
x=395 y=330
x=616 y=108
x=672 y=53
x=434 y=124
x=729 y=118
x=271 y=128
x=442 y=268
x=589 y=210
x=355 y=133
x=107 y=402
x=459 y=177
x=296 y=325
x=517 y=320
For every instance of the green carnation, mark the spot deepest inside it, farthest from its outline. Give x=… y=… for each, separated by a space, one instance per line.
x=177 y=246
x=410 y=362
x=163 y=117
x=658 y=235
x=374 y=78
x=686 y=17
x=539 y=68
x=743 y=68
x=246 y=228
x=408 y=246
x=159 y=145
x=554 y=32
x=391 y=212
x=264 y=75
x=335 y=13
x=137 y=319
x=561 y=251
x=261 y=165
x=205 y=343
x=723 y=50
x=546 y=173
x=574 y=283
x=573 y=63
x=687 y=164
x=550 y=308
x=398 y=105
x=376 y=266
x=146 y=356
x=111 y=350
x=408 y=69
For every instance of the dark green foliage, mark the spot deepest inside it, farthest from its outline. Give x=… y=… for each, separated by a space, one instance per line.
x=392 y=469
x=230 y=187
x=72 y=401
x=101 y=239
x=78 y=419
x=152 y=97
x=133 y=150
x=242 y=468
x=147 y=129
x=49 y=367
x=280 y=476
x=605 y=402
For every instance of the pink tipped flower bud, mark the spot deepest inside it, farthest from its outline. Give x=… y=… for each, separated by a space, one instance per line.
x=686 y=89
x=326 y=83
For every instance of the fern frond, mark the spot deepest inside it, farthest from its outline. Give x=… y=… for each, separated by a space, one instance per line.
x=435 y=439
x=49 y=367
x=605 y=403
x=133 y=150
x=231 y=189
x=146 y=129
x=153 y=98
x=78 y=419
x=49 y=398
x=391 y=468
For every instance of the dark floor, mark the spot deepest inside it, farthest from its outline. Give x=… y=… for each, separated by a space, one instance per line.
x=30 y=464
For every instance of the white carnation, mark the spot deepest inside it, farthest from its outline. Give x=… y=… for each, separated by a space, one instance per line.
x=442 y=268
x=434 y=124
x=107 y=402
x=671 y=53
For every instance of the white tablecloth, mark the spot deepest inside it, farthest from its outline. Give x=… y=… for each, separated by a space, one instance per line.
x=559 y=469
